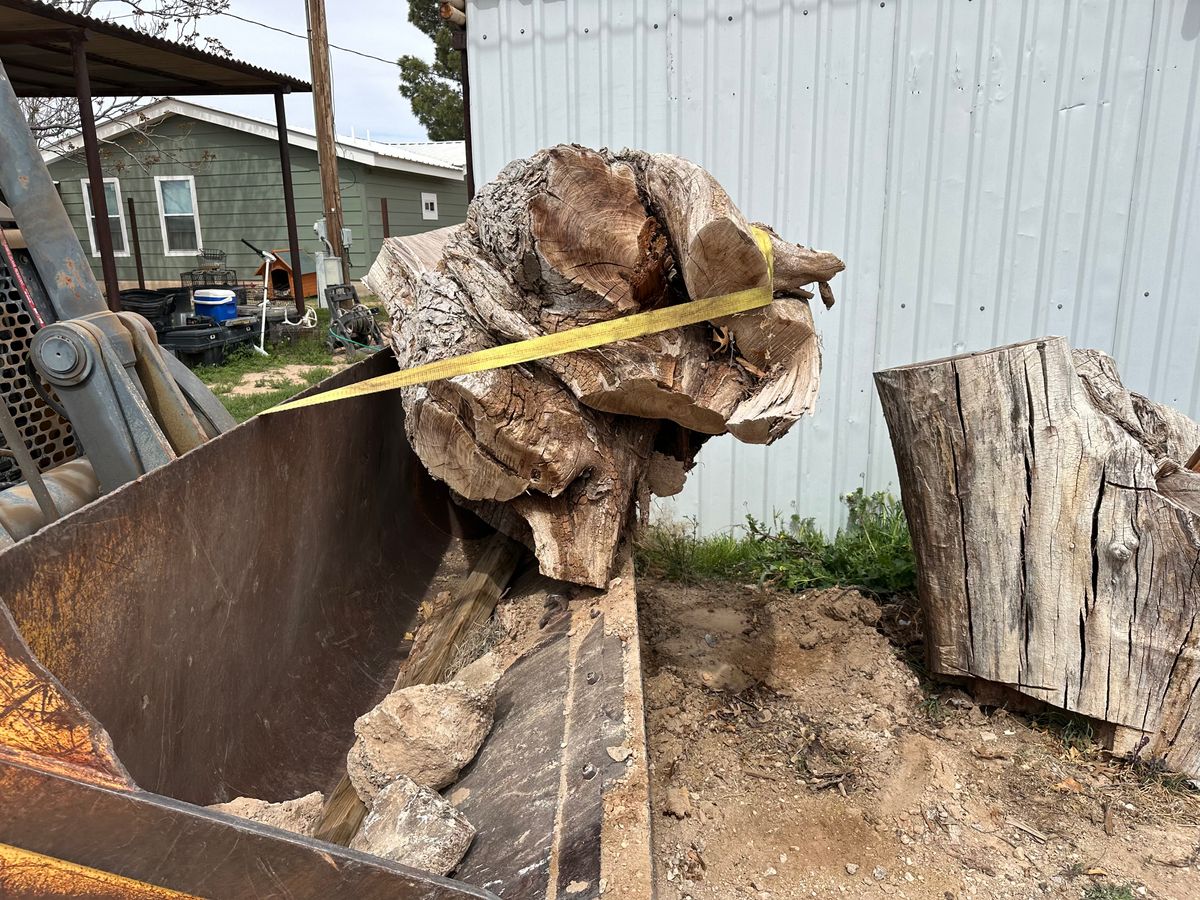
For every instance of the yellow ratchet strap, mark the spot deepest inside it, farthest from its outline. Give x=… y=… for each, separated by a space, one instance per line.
x=582 y=338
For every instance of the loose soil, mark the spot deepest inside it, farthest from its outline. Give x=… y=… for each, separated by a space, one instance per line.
x=795 y=752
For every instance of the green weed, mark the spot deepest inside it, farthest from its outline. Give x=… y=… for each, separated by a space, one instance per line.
x=1109 y=892
x=872 y=552
x=1075 y=732
x=932 y=708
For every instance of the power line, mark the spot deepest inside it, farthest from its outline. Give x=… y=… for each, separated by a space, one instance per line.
x=304 y=37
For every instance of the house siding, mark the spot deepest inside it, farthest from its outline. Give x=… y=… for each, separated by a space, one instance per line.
x=404 y=204
x=239 y=194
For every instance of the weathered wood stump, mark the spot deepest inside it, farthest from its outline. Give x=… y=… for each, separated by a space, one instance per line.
x=556 y=453
x=1057 y=534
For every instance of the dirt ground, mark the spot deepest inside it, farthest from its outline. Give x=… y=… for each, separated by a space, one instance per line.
x=261 y=382
x=795 y=753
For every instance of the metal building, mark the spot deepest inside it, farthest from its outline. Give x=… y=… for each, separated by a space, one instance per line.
x=990 y=172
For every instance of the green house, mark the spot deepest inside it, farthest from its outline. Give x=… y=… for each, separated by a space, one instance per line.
x=199 y=178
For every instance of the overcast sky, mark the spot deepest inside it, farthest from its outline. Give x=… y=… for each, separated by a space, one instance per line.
x=365 y=91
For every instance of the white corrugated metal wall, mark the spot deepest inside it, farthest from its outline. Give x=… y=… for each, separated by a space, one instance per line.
x=990 y=172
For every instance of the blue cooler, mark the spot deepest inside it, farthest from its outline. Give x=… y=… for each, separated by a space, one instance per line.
x=217 y=303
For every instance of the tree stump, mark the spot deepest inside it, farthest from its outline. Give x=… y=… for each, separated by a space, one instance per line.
x=1056 y=533
x=557 y=452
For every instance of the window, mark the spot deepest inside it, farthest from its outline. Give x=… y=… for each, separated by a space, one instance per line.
x=429 y=206
x=177 y=214
x=116 y=216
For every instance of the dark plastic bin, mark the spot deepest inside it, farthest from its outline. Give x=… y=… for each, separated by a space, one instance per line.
x=155 y=305
x=205 y=344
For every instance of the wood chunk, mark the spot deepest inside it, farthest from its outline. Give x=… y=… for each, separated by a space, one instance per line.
x=554 y=452
x=1057 y=536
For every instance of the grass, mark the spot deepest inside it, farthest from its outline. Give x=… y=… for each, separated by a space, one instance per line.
x=932 y=708
x=1073 y=731
x=1109 y=892
x=872 y=552
x=277 y=387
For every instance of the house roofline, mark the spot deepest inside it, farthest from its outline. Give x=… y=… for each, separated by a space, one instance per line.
x=172 y=106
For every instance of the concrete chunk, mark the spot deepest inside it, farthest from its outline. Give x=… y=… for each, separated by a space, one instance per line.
x=298 y=816
x=426 y=732
x=415 y=826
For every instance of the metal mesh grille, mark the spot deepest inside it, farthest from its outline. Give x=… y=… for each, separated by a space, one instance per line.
x=47 y=434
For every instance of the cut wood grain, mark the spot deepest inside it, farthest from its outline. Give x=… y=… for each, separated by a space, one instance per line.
x=1057 y=536
x=557 y=452
x=473 y=602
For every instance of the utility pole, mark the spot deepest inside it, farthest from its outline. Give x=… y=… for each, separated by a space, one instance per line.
x=331 y=192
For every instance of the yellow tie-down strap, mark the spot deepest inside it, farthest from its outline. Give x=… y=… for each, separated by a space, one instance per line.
x=584 y=337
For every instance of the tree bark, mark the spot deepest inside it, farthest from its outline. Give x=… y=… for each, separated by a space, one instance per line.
x=556 y=452
x=1057 y=535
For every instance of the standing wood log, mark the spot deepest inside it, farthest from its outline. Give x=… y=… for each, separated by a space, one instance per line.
x=1057 y=550
x=556 y=452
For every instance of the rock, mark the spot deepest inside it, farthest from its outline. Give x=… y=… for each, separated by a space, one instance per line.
x=426 y=732
x=482 y=674
x=723 y=676
x=619 y=754
x=298 y=816
x=677 y=803
x=416 y=827
x=880 y=873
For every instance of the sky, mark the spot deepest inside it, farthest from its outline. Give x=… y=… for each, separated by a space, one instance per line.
x=365 y=98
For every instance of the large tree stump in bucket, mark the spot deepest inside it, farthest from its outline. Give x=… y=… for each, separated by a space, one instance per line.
x=557 y=452
x=1057 y=534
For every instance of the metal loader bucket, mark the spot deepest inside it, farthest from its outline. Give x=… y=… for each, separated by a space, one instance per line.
x=214 y=628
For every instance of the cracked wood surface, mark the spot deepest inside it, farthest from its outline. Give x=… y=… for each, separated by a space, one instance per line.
x=1057 y=541
x=558 y=452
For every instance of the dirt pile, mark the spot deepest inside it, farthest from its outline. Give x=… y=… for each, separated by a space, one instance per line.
x=826 y=768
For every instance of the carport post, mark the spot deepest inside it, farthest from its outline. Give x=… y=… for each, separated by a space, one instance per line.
x=91 y=151
x=289 y=202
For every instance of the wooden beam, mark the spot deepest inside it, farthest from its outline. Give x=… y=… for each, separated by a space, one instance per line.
x=137 y=244
x=91 y=149
x=322 y=81
x=65 y=73
x=28 y=36
x=289 y=203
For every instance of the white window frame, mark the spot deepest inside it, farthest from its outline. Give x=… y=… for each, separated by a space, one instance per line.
x=86 y=184
x=162 y=215
x=429 y=215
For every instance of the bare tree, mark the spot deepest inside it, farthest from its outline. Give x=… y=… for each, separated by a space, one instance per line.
x=53 y=119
